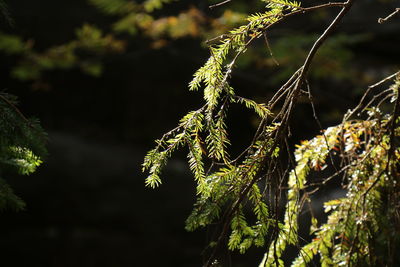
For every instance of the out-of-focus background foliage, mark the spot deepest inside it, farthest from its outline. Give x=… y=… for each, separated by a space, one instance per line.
x=107 y=77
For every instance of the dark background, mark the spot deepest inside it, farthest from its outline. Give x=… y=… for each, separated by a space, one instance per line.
x=87 y=205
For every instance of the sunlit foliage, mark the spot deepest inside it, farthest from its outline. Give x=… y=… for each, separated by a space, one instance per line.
x=243 y=193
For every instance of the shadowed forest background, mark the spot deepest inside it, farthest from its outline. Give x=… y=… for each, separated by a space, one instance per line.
x=87 y=204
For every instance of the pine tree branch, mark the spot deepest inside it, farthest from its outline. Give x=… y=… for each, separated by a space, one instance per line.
x=298 y=79
x=15 y=109
x=21 y=115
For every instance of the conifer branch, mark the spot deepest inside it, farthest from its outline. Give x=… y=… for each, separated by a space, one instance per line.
x=11 y=105
x=22 y=116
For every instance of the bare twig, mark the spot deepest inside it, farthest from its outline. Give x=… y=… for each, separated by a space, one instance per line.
x=321 y=40
x=383 y=20
x=385 y=79
x=310 y=97
x=219 y=4
x=351 y=113
x=270 y=50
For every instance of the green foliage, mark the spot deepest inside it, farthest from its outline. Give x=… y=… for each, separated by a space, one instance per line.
x=140 y=18
x=21 y=158
x=131 y=17
x=114 y=7
x=22 y=148
x=32 y=63
x=11 y=44
x=134 y=16
x=151 y=5
x=8 y=200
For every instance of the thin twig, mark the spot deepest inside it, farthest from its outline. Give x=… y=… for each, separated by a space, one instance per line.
x=269 y=49
x=351 y=113
x=15 y=109
x=382 y=20
x=310 y=97
x=385 y=79
x=322 y=39
x=283 y=90
x=219 y=4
